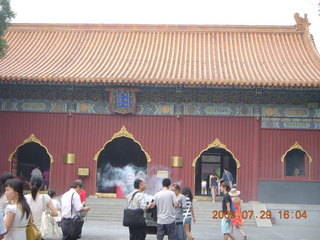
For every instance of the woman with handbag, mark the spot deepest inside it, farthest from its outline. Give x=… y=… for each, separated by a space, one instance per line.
x=17 y=212
x=137 y=200
x=39 y=202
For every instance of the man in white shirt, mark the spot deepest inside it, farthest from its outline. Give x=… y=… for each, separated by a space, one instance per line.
x=70 y=207
x=166 y=202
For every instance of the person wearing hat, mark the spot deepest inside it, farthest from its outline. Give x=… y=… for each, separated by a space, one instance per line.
x=237 y=220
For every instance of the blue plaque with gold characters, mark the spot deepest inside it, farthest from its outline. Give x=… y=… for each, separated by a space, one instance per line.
x=123 y=101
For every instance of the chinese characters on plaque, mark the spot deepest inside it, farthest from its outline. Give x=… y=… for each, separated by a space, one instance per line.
x=123 y=101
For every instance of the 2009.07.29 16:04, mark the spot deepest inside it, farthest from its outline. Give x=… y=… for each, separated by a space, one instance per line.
x=283 y=214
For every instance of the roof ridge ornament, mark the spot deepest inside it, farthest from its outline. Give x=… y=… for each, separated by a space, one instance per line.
x=302 y=23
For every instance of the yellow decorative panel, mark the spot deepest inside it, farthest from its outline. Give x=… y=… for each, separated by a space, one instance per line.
x=69 y=158
x=83 y=172
x=176 y=161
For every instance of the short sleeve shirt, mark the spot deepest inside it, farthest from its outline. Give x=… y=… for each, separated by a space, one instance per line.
x=165 y=209
x=138 y=200
x=38 y=206
x=226 y=199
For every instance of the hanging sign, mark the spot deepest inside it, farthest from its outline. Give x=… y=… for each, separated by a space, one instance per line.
x=123 y=101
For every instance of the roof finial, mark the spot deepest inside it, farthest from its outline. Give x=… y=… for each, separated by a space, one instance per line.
x=302 y=23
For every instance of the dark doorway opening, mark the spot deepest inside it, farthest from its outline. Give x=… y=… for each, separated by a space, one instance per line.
x=213 y=159
x=26 y=158
x=296 y=163
x=119 y=163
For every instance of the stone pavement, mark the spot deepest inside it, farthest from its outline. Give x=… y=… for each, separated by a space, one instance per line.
x=98 y=230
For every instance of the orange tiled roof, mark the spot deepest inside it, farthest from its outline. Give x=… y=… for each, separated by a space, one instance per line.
x=162 y=54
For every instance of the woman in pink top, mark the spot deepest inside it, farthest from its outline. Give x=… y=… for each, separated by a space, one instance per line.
x=46 y=176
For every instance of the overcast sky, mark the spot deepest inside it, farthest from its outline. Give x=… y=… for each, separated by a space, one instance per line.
x=215 y=12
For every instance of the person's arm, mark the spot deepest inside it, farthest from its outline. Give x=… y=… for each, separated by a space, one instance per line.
x=53 y=210
x=9 y=220
x=193 y=215
x=222 y=179
x=228 y=204
x=77 y=206
x=174 y=200
x=210 y=181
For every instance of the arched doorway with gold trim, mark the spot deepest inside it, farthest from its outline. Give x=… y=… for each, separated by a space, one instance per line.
x=296 y=163
x=29 y=155
x=119 y=162
x=215 y=157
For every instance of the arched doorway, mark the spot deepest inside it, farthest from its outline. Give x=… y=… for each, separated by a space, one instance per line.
x=215 y=157
x=121 y=160
x=27 y=156
x=296 y=162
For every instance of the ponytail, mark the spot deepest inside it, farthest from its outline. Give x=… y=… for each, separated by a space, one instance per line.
x=34 y=191
x=36 y=184
x=24 y=206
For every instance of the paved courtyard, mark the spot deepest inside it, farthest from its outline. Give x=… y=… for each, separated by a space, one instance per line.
x=99 y=230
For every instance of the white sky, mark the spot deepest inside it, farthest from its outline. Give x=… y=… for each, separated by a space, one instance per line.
x=215 y=12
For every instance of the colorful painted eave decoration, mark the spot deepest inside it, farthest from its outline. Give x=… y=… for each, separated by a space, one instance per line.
x=123 y=101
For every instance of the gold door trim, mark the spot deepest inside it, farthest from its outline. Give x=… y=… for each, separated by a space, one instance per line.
x=216 y=143
x=296 y=145
x=32 y=138
x=122 y=133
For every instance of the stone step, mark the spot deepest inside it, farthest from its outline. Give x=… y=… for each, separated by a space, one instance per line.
x=111 y=210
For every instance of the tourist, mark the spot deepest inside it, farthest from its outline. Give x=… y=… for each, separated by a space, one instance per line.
x=56 y=204
x=226 y=208
x=36 y=172
x=213 y=181
x=188 y=212
x=3 y=198
x=227 y=177
x=166 y=201
x=181 y=199
x=70 y=207
x=136 y=199
x=237 y=215
x=46 y=177
x=39 y=202
x=17 y=212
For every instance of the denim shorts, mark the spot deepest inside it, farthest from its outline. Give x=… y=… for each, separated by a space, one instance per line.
x=187 y=220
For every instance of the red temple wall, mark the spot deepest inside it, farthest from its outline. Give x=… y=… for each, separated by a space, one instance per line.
x=276 y=142
x=258 y=150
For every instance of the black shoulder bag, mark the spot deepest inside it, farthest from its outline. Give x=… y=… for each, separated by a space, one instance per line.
x=133 y=217
x=75 y=226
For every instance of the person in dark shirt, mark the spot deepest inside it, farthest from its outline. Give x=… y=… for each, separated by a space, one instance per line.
x=226 y=208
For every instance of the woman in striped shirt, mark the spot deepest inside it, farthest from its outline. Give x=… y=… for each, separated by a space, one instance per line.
x=188 y=212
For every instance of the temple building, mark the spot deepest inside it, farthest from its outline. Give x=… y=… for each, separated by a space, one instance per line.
x=108 y=103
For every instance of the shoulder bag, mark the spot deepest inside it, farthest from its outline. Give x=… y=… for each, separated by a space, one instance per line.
x=133 y=217
x=76 y=223
x=32 y=232
x=49 y=228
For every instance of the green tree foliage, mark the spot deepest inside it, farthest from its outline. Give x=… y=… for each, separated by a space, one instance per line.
x=5 y=16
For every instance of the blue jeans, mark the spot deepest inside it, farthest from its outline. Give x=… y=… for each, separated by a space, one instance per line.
x=162 y=229
x=181 y=234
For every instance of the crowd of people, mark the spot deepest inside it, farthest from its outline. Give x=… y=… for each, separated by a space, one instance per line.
x=17 y=210
x=175 y=212
x=173 y=207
